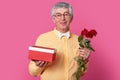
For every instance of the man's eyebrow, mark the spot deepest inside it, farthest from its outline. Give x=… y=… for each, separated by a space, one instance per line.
x=58 y=13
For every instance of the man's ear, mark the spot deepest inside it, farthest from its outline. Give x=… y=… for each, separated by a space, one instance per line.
x=71 y=19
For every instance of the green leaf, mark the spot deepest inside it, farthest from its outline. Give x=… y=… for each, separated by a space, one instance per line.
x=83 y=42
x=76 y=58
x=90 y=48
x=80 y=38
x=87 y=41
x=81 y=45
x=87 y=45
x=78 y=73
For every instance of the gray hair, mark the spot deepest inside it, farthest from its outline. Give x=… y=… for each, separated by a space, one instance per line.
x=62 y=5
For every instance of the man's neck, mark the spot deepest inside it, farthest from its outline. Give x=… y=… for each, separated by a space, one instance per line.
x=62 y=30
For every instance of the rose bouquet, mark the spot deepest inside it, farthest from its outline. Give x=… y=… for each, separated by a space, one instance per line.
x=84 y=42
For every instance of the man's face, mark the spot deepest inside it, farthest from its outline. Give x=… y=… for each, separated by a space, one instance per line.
x=62 y=18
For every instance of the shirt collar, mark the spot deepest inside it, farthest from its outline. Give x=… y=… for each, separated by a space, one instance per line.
x=60 y=34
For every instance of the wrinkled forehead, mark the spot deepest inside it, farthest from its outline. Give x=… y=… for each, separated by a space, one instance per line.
x=61 y=10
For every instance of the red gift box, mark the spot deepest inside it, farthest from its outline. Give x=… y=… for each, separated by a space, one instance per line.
x=42 y=53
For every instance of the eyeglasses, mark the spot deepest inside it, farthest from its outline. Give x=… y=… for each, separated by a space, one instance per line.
x=59 y=15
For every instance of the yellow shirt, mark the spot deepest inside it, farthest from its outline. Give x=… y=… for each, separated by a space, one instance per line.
x=64 y=67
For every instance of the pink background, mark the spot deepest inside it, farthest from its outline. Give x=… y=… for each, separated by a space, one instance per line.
x=21 y=21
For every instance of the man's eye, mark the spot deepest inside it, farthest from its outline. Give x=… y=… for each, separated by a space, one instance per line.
x=66 y=14
x=58 y=15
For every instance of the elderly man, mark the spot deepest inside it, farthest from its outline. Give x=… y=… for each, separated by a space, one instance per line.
x=66 y=44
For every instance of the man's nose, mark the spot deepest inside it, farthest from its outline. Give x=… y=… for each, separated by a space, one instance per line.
x=63 y=17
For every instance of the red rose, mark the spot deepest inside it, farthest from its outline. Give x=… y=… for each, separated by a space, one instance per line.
x=84 y=32
x=89 y=34
x=84 y=43
x=93 y=32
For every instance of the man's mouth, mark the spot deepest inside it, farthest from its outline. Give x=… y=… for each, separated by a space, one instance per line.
x=63 y=23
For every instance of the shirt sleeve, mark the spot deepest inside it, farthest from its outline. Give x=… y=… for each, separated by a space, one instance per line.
x=35 y=70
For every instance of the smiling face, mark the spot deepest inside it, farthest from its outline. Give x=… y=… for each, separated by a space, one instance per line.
x=62 y=19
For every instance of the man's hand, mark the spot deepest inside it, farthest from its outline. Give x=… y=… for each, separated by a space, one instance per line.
x=40 y=63
x=84 y=52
